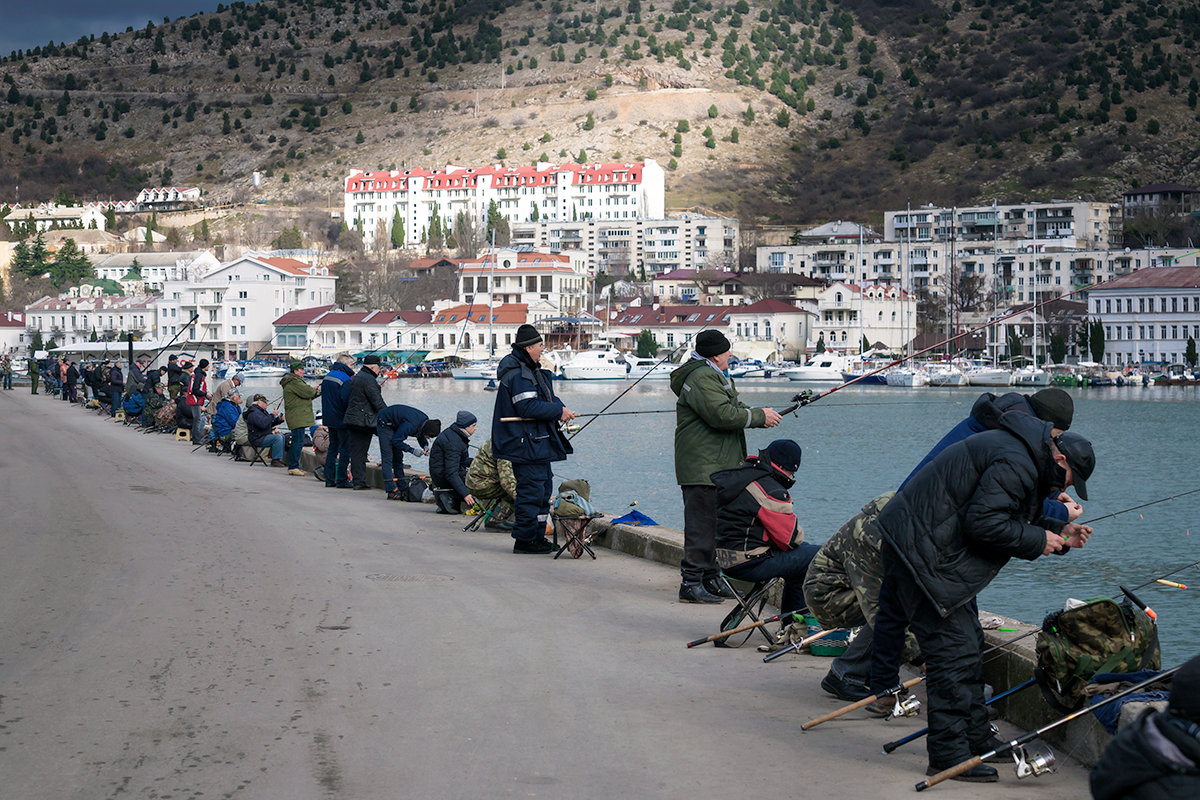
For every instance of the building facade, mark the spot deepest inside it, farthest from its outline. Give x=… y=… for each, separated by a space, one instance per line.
x=1076 y=225
x=75 y=319
x=323 y=330
x=847 y=313
x=510 y=275
x=771 y=329
x=158 y=268
x=1148 y=315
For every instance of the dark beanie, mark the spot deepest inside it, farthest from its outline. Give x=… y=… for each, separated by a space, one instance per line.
x=1053 y=405
x=711 y=343
x=371 y=359
x=527 y=336
x=1185 y=691
x=785 y=454
x=204 y=363
x=465 y=419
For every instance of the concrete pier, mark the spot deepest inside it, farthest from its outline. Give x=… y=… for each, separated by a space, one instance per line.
x=179 y=625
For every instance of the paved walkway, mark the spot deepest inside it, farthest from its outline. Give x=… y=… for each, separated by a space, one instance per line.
x=178 y=625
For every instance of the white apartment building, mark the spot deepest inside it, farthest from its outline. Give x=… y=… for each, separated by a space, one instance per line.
x=237 y=303
x=1148 y=315
x=158 y=268
x=638 y=246
x=323 y=330
x=13 y=340
x=541 y=192
x=1075 y=225
x=847 y=312
x=519 y=276
x=165 y=198
x=770 y=329
x=75 y=319
x=45 y=216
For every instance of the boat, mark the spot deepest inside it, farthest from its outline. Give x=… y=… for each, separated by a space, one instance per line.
x=866 y=372
x=759 y=369
x=650 y=368
x=906 y=376
x=989 y=376
x=1030 y=376
x=947 y=375
x=475 y=371
x=600 y=362
x=823 y=367
x=261 y=369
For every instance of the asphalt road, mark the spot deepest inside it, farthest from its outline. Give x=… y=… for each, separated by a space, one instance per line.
x=175 y=625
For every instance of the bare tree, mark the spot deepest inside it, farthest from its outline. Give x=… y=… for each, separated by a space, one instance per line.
x=761 y=286
x=971 y=292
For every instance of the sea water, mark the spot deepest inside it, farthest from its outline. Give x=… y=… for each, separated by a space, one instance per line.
x=862 y=441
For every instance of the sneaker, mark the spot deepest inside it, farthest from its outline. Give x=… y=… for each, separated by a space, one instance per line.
x=978 y=774
x=536 y=546
x=844 y=689
x=696 y=593
x=275 y=462
x=297 y=472
x=396 y=494
x=717 y=587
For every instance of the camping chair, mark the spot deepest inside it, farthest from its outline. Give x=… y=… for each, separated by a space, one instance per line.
x=749 y=605
x=258 y=455
x=570 y=514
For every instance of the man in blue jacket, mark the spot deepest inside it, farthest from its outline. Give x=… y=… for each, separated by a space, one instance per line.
x=394 y=425
x=335 y=388
x=532 y=441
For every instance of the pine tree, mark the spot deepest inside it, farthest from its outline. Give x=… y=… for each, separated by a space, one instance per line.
x=397 y=230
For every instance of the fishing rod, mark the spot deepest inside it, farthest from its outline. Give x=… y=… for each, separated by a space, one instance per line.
x=832 y=405
x=895 y=690
x=797 y=645
x=892 y=746
x=808 y=397
x=158 y=352
x=1143 y=505
x=645 y=375
x=1043 y=762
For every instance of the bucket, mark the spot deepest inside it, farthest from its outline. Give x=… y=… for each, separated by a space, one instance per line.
x=829 y=646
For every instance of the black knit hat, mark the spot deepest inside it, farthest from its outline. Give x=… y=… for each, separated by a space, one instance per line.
x=1185 y=691
x=527 y=336
x=711 y=343
x=785 y=454
x=1053 y=405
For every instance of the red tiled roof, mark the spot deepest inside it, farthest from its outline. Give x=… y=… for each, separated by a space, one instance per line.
x=462 y=177
x=1156 y=278
x=12 y=319
x=768 y=306
x=289 y=265
x=507 y=314
x=680 y=316
x=302 y=316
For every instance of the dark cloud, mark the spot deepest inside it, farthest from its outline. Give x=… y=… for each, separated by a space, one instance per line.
x=30 y=24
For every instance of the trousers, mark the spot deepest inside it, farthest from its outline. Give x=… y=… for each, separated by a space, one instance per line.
x=700 y=534
x=337 y=457
x=360 y=442
x=791 y=565
x=535 y=484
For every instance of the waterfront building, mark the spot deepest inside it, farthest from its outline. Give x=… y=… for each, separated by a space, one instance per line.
x=1148 y=315
x=771 y=329
x=88 y=312
x=511 y=275
x=13 y=340
x=566 y=192
x=671 y=325
x=324 y=330
x=158 y=268
x=464 y=330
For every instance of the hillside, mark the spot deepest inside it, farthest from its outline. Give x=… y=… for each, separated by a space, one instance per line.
x=793 y=112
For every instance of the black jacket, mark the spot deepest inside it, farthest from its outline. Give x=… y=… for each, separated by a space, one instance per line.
x=72 y=375
x=365 y=400
x=174 y=373
x=449 y=459
x=526 y=391
x=966 y=513
x=754 y=511
x=259 y=423
x=1155 y=758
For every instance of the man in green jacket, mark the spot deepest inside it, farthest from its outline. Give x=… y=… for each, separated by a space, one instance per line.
x=710 y=425
x=297 y=412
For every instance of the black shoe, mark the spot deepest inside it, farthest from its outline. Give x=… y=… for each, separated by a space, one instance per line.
x=696 y=593
x=538 y=546
x=360 y=488
x=717 y=587
x=843 y=689
x=502 y=525
x=978 y=774
x=987 y=746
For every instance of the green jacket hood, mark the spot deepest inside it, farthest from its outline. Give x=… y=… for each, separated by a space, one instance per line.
x=680 y=374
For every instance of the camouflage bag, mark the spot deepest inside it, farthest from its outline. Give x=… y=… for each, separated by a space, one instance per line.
x=1077 y=644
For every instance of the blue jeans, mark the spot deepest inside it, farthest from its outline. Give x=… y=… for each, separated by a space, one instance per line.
x=791 y=565
x=391 y=457
x=8 y=380
x=337 y=457
x=297 y=448
x=535 y=484
x=275 y=442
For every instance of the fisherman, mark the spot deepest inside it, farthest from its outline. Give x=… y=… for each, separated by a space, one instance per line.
x=155 y=400
x=394 y=425
x=335 y=388
x=116 y=386
x=33 y=375
x=137 y=375
x=449 y=462
x=6 y=372
x=710 y=423
x=195 y=397
x=534 y=441
x=225 y=416
x=364 y=401
x=298 y=411
x=175 y=377
x=71 y=383
x=758 y=536
x=260 y=429
x=947 y=534
x=224 y=389
x=491 y=481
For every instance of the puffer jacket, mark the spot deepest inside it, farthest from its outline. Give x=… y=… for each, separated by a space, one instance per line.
x=963 y=516
x=526 y=391
x=259 y=423
x=364 y=400
x=754 y=512
x=297 y=401
x=1155 y=758
x=710 y=422
x=335 y=388
x=225 y=418
x=449 y=459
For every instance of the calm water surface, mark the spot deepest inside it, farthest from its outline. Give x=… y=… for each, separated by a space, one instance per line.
x=860 y=442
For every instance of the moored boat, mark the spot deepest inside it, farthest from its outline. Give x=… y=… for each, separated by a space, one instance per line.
x=989 y=376
x=823 y=367
x=600 y=362
x=906 y=376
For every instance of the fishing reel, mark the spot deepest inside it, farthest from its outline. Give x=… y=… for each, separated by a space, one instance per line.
x=905 y=707
x=568 y=427
x=804 y=398
x=1033 y=759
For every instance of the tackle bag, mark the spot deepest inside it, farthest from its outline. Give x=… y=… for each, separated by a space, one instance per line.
x=415 y=489
x=1076 y=644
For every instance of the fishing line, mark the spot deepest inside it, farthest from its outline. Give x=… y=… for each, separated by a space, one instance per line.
x=1143 y=505
x=662 y=361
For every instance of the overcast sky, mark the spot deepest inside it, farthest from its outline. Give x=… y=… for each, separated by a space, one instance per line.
x=25 y=24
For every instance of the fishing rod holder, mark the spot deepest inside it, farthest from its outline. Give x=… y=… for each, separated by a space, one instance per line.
x=1033 y=759
x=905 y=707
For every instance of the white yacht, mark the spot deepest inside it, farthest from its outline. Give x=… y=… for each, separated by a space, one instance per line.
x=947 y=375
x=475 y=371
x=990 y=376
x=1031 y=376
x=600 y=362
x=823 y=367
x=649 y=367
x=907 y=376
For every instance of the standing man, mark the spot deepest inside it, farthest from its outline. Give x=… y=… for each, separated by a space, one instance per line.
x=364 y=401
x=33 y=375
x=116 y=387
x=197 y=397
x=946 y=534
x=71 y=382
x=6 y=371
x=394 y=425
x=335 y=388
x=534 y=441
x=297 y=412
x=710 y=425
x=174 y=377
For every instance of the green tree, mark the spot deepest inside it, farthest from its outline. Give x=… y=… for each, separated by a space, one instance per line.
x=397 y=230
x=1058 y=347
x=821 y=343
x=497 y=226
x=1189 y=355
x=683 y=126
x=748 y=115
x=712 y=111
x=289 y=239
x=436 y=238
x=590 y=122
x=582 y=157
x=647 y=347
x=1096 y=341
x=70 y=266
x=1014 y=345
x=30 y=258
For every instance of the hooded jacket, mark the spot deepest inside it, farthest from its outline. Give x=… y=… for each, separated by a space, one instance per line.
x=225 y=418
x=335 y=388
x=175 y=375
x=1155 y=758
x=525 y=391
x=297 y=401
x=364 y=400
x=971 y=509
x=710 y=422
x=754 y=512
x=259 y=423
x=449 y=460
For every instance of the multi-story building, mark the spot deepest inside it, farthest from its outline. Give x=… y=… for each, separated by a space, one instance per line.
x=158 y=268
x=45 y=216
x=641 y=247
x=846 y=313
x=75 y=319
x=672 y=326
x=770 y=329
x=733 y=288
x=464 y=331
x=1168 y=199
x=1075 y=224
x=541 y=192
x=234 y=306
x=169 y=198
x=510 y=275
x=13 y=340
x=323 y=330
x=1148 y=315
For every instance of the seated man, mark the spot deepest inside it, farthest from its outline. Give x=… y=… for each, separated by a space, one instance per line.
x=758 y=537
x=225 y=417
x=491 y=481
x=448 y=464
x=260 y=429
x=393 y=425
x=155 y=400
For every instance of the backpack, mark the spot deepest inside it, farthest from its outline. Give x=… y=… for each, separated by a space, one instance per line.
x=416 y=489
x=573 y=500
x=1102 y=635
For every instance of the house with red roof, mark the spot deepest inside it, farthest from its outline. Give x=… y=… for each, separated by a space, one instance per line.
x=326 y=330
x=474 y=332
x=771 y=329
x=12 y=333
x=672 y=325
x=1148 y=315
x=884 y=314
x=534 y=278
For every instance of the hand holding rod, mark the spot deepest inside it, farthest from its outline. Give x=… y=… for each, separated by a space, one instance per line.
x=866 y=701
